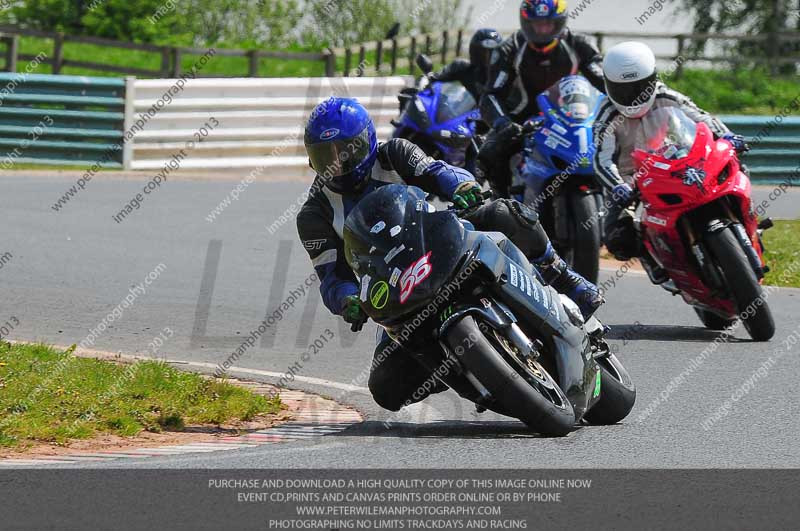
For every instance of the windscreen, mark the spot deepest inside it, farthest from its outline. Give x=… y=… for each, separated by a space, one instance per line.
x=454 y=101
x=575 y=97
x=666 y=132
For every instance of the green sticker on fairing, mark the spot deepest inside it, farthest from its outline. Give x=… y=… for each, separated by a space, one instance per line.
x=379 y=295
x=597 y=385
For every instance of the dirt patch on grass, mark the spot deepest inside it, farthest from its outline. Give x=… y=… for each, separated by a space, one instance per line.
x=192 y=434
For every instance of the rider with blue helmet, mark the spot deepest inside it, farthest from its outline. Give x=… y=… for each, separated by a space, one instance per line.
x=343 y=149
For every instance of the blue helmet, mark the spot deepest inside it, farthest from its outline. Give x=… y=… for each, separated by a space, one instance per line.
x=543 y=21
x=342 y=144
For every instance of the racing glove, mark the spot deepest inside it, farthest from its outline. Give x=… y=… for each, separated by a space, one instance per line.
x=353 y=313
x=468 y=195
x=738 y=142
x=507 y=131
x=622 y=195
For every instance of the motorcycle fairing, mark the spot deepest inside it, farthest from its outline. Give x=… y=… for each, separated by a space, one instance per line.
x=438 y=112
x=563 y=142
x=671 y=189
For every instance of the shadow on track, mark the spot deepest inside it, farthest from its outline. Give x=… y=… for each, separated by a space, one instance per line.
x=642 y=332
x=443 y=429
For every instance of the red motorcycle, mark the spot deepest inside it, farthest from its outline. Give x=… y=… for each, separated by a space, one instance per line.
x=698 y=222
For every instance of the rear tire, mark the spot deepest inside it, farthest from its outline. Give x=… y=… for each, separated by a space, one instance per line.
x=586 y=233
x=713 y=321
x=617 y=393
x=508 y=385
x=742 y=284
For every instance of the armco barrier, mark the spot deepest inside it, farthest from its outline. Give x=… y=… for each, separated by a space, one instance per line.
x=64 y=120
x=260 y=120
x=78 y=120
x=775 y=144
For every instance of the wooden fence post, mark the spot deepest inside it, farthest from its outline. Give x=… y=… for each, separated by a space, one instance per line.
x=378 y=56
x=348 y=62
x=459 y=42
x=445 y=46
x=176 y=62
x=330 y=63
x=412 y=55
x=599 y=37
x=252 y=63
x=12 y=51
x=166 y=51
x=362 y=56
x=680 y=59
x=427 y=45
x=58 y=52
x=394 y=56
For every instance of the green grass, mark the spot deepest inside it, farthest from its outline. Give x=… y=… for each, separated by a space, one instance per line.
x=33 y=166
x=50 y=395
x=743 y=91
x=783 y=254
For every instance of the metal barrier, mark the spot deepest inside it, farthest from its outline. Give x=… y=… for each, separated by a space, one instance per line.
x=63 y=120
x=775 y=142
x=77 y=120
x=260 y=121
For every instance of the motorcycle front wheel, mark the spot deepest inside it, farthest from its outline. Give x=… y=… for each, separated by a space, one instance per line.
x=617 y=393
x=521 y=389
x=742 y=284
x=586 y=244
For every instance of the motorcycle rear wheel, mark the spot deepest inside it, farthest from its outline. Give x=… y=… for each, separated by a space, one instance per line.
x=742 y=284
x=539 y=403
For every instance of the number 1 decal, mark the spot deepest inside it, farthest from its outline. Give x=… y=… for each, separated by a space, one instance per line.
x=413 y=276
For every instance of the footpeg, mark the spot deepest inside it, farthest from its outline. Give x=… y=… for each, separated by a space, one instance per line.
x=670 y=286
x=766 y=224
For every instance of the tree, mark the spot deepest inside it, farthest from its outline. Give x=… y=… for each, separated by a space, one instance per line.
x=754 y=17
x=345 y=22
x=262 y=23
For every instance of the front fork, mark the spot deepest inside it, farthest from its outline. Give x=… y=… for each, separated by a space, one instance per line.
x=701 y=254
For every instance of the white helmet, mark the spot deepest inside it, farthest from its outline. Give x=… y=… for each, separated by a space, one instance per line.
x=631 y=79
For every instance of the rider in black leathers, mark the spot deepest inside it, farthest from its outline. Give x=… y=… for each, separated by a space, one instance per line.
x=529 y=62
x=473 y=73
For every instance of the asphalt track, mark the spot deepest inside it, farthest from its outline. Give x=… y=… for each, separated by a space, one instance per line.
x=69 y=269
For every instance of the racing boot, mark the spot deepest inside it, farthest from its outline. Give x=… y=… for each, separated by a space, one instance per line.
x=658 y=275
x=556 y=273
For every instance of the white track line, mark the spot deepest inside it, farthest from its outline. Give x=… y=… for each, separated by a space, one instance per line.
x=271 y=374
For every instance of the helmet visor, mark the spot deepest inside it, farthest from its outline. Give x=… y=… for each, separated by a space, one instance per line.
x=542 y=30
x=335 y=158
x=633 y=93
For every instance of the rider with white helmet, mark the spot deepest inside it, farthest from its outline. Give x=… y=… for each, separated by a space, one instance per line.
x=634 y=90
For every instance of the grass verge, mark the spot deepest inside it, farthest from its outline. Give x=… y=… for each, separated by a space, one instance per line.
x=783 y=254
x=50 y=395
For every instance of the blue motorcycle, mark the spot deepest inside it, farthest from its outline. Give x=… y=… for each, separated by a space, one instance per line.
x=439 y=118
x=556 y=173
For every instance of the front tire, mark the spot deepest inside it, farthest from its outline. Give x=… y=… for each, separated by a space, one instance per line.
x=617 y=393
x=742 y=284
x=713 y=321
x=586 y=234
x=544 y=409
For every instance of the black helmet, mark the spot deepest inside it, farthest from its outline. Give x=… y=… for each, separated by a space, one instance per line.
x=482 y=45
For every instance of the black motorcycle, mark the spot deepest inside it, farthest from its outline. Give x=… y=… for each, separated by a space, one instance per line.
x=470 y=307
